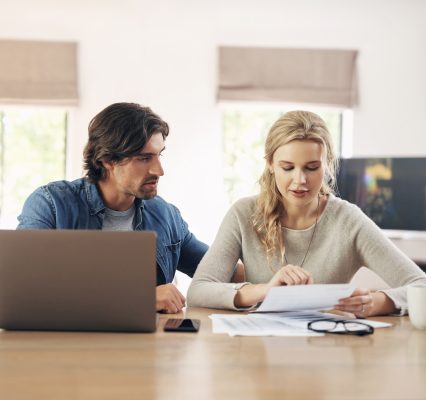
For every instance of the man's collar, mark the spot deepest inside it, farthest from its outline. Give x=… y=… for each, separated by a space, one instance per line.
x=94 y=199
x=139 y=203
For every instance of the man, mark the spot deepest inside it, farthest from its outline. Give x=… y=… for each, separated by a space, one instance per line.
x=119 y=192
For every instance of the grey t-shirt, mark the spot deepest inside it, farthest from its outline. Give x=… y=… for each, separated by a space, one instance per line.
x=345 y=239
x=118 y=220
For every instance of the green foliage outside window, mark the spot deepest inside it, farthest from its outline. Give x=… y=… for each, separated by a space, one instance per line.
x=32 y=153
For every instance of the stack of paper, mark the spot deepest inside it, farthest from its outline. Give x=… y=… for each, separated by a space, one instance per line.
x=286 y=311
x=261 y=325
x=290 y=323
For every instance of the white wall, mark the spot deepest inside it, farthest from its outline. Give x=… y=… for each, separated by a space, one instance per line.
x=163 y=54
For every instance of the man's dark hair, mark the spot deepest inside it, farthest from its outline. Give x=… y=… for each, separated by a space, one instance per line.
x=119 y=131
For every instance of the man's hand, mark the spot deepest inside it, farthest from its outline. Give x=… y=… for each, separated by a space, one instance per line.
x=169 y=299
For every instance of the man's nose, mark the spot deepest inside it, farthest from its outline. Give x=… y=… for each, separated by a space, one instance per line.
x=156 y=167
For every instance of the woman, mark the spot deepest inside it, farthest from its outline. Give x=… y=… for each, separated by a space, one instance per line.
x=296 y=232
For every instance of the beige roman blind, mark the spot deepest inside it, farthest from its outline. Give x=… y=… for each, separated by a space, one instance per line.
x=38 y=72
x=320 y=76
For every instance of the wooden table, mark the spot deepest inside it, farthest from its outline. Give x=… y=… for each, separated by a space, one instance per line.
x=391 y=364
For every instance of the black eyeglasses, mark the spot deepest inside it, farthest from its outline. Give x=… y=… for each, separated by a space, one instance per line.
x=333 y=326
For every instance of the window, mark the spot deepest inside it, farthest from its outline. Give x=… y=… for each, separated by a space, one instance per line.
x=245 y=128
x=32 y=153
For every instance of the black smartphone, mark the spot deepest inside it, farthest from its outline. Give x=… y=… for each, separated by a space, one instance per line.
x=182 y=325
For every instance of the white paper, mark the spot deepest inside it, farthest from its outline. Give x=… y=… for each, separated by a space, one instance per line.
x=292 y=323
x=300 y=319
x=304 y=297
x=256 y=325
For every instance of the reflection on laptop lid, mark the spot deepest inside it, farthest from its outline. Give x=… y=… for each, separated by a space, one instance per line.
x=78 y=280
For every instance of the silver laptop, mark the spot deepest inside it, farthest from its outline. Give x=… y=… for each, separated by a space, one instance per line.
x=77 y=280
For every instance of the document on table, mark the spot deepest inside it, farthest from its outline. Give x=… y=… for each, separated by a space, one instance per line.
x=287 y=310
x=304 y=297
x=257 y=325
x=291 y=323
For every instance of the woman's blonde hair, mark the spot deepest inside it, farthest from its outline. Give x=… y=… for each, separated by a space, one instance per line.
x=293 y=125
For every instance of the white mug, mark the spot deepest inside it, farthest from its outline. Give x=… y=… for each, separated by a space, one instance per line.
x=416 y=296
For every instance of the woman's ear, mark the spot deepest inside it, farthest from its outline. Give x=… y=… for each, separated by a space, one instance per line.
x=327 y=176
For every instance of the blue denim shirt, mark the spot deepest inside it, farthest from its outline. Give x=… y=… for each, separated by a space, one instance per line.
x=78 y=205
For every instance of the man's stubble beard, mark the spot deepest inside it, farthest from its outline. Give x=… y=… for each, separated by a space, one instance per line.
x=144 y=195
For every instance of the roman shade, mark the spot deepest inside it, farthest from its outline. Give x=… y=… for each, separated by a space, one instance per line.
x=38 y=72
x=319 y=76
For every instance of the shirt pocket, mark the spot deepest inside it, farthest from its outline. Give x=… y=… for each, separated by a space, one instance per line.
x=168 y=258
x=172 y=255
x=174 y=247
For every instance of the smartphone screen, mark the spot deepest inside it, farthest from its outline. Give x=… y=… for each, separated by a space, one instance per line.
x=182 y=325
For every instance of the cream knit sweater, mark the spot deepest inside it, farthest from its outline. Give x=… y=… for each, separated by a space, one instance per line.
x=345 y=239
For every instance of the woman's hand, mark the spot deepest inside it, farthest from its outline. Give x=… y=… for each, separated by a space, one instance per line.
x=250 y=295
x=364 y=303
x=360 y=303
x=291 y=275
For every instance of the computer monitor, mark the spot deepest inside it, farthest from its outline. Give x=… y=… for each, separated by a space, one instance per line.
x=391 y=191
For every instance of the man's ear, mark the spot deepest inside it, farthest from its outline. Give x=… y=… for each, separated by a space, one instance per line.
x=107 y=164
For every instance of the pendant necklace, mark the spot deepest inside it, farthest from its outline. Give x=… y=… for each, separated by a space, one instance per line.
x=312 y=236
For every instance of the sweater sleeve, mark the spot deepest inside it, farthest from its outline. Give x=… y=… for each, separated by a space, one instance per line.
x=211 y=285
x=379 y=254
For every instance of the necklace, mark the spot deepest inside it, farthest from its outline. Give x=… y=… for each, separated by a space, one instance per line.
x=312 y=236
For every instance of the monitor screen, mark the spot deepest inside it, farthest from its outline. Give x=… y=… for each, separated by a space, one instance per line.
x=391 y=191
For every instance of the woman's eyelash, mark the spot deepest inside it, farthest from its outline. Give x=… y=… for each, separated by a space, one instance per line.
x=308 y=168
